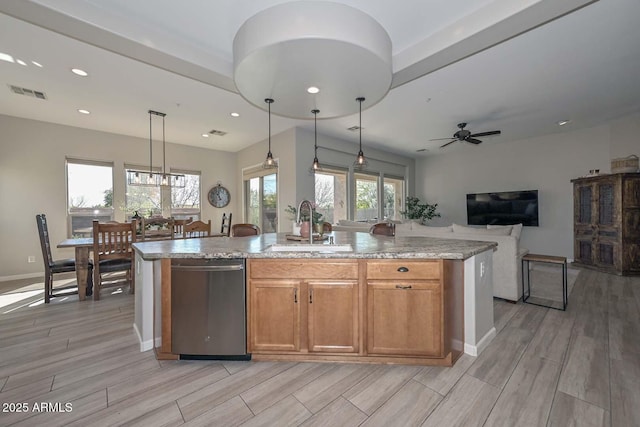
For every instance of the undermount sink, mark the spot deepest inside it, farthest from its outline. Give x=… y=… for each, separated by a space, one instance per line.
x=297 y=247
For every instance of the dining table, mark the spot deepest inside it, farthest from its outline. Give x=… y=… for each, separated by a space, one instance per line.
x=83 y=247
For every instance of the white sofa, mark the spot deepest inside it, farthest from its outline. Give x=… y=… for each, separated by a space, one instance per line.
x=507 y=259
x=347 y=225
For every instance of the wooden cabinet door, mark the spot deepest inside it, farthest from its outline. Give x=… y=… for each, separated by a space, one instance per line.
x=333 y=316
x=405 y=318
x=583 y=224
x=275 y=315
x=607 y=222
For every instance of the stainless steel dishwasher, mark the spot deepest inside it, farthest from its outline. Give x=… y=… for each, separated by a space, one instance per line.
x=208 y=308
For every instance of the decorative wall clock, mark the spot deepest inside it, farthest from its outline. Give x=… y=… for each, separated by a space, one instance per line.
x=219 y=196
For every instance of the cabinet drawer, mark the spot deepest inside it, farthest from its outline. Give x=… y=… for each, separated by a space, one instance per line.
x=303 y=269
x=404 y=270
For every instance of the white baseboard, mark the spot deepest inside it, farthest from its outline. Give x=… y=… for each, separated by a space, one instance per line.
x=475 y=350
x=22 y=276
x=144 y=345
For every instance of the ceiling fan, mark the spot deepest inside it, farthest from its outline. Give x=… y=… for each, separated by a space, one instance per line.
x=465 y=135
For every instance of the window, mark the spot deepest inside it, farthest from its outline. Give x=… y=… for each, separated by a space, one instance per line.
x=261 y=198
x=331 y=194
x=185 y=201
x=393 y=190
x=366 y=196
x=89 y=195
x=145 y=200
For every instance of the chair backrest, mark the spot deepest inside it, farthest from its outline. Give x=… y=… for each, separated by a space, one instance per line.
x=178 y=225
x=113 y=240
x=383 y=229
x=164 y=228
x=43 y=231
x=197 y=229
x=241 y=230
x=226 y=224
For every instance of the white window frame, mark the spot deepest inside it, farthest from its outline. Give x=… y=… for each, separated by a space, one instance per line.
x=104 y=214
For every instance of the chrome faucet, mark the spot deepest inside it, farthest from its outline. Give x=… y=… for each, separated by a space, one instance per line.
x=308 y=203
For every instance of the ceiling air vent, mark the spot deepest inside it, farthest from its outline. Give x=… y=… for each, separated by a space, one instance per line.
x=217 y=132
x=354 y=128
x=27 y=92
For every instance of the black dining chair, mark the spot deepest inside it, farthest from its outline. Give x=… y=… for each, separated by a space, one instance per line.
x=52 y=266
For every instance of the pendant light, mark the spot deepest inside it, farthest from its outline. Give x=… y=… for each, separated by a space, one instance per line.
x=361 y=162
x=269 y=162
x=168 y=179
x=315 y=167
x=151 y=179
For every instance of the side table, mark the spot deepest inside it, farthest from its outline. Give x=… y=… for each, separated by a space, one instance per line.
x=548 y=259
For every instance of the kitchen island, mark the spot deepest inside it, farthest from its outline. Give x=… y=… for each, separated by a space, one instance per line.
x=364 y=299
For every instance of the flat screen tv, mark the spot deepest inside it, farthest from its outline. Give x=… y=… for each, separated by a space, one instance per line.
x=503 y=208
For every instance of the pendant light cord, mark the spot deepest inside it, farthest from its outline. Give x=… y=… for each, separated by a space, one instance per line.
x=164 y=153
x=360 y=100
x=150 y=146
x=269 y=101
x=315 y=132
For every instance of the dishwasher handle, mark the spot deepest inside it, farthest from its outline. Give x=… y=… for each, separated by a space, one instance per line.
x=232 y=267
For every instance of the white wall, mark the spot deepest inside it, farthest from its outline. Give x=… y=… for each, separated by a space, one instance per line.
x=32 y=181
x=546 y=164
x=294 y=151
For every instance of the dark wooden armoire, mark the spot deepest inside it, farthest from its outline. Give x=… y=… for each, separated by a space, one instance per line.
x=606 y=224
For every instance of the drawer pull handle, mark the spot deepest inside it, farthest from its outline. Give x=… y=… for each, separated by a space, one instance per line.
x=295 y=296
x=403 y=269
x=403 y=286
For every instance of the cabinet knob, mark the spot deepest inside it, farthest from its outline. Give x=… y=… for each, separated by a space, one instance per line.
x=403 y=269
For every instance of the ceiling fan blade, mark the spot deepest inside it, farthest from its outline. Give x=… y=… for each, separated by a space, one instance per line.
x=439 y=139
x=493 y=132
x=473 y=140
x=450 y=142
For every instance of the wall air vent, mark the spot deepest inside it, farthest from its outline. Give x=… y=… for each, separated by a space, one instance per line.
x=27 y=92
x=354 y=128
x=217 y=132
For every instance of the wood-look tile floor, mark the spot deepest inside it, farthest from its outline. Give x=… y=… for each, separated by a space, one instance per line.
x=70 y=363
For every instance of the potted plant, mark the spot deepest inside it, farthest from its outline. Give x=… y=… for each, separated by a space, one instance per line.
x=419 y=212
x=304 y=217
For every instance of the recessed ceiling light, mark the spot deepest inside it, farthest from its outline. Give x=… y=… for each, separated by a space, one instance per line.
x=205 y=135
x=235 y=114
x=563 y=122
x=313 y=89
x=84 y=111
x=21 y=62
x=37 y=64
x=6 y=57
x=79 y=72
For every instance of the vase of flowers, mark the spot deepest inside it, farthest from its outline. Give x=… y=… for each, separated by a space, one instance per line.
x=300 y=228
x=305 y=228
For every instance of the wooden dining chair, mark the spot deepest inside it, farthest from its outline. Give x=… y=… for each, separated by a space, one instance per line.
x=241 y=230
x=383 y=229
x=197 y=229
x=178 y=226
x=226 y=224
x=156 y=228
x=112 y=252
x=52 y=266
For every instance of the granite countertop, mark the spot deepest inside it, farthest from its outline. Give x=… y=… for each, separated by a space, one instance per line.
x=364 y=246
